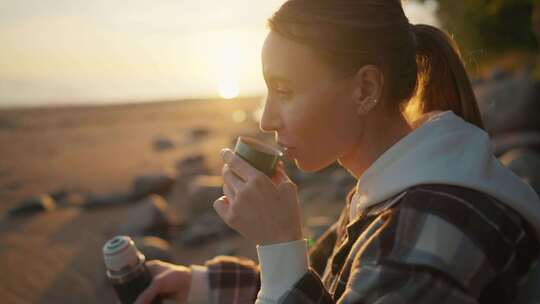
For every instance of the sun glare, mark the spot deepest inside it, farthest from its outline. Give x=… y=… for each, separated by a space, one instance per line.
x=224 y=48
x=228 y=88
x=228 y=67
x=228 y=60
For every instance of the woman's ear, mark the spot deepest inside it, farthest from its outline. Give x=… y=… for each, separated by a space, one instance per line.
x=368 y=83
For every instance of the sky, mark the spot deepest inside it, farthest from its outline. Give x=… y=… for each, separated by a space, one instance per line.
x=103 y=51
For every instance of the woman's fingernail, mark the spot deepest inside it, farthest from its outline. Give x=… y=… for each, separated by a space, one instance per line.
x=222 y=152
x=226 y=154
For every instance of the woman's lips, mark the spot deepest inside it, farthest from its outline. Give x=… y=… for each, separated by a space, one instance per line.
x=283 y=145
x=288 y=152
x=286 y=149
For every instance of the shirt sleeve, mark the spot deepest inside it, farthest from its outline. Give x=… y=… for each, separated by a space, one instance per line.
x=226 y=278
x=232 y=279
x=199 y=290
x=281 y=266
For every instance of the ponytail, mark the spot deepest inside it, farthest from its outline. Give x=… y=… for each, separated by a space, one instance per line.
x=443 y=83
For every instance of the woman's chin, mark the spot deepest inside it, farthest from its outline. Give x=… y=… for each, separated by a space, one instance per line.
x=308 y=167
x=302 y=166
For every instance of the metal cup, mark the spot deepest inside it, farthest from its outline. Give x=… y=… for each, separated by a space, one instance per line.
x=258 y=154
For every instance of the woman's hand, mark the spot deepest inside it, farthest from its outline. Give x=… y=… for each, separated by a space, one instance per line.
x=264 y=210
x=169 y=281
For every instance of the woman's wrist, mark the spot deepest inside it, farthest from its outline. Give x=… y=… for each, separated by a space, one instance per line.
x=277 y=241
x=276 y=238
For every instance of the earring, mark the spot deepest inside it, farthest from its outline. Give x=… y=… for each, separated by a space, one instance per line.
x=365 y=106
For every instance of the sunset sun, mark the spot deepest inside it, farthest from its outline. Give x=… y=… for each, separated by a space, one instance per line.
x=228 y=66
x=228 y=88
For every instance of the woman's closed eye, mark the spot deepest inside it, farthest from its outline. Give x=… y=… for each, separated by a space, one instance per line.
x=282 y=92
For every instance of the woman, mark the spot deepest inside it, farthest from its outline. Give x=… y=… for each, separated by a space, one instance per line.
x=434 y=216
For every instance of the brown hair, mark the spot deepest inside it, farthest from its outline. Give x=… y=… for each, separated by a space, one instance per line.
x=421 y=64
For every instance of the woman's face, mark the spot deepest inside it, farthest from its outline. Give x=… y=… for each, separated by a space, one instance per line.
x=311 y=112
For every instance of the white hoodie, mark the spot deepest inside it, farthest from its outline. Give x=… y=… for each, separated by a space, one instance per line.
x=444 y=149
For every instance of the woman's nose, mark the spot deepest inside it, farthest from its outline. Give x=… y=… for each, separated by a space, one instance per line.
x=270 y=120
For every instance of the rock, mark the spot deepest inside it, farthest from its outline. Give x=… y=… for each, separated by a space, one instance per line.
x=197 y=235
x=59 y=195
x=505 y=142
x=226 y=248
x=203 y=191
x=106 y=200
x=4 y=172
x=477 y=81
x=161 y=144
x=206 y=227
x=509 y=104
x=148 y=217
x=525 y=164
x=198 y=133
x=8 y=124
x=42 y=203
x=192 y=166
x=179 y=201
x=73 y=200
x=151 y=184
x=498 y=74
x=195 y=135
x=15 y=185
x=154 y=248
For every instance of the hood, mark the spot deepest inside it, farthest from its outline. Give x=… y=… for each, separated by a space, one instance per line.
x=445 y=149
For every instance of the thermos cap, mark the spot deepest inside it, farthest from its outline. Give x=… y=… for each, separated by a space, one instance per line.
x=120 y=252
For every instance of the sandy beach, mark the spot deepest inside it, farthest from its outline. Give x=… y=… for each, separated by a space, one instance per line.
x=55 y=257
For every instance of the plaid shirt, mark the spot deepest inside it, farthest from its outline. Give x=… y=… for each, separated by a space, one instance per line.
x=433 y=243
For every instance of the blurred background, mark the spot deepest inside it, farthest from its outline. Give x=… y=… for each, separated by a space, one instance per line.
x=112 y=114
x=80 y=52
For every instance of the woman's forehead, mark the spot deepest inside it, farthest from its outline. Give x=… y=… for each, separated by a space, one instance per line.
x=285 y=59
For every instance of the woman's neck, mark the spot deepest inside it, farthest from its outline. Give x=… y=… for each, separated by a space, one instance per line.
x=380 y=133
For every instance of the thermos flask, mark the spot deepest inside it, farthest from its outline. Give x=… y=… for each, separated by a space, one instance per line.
x=126 y=269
